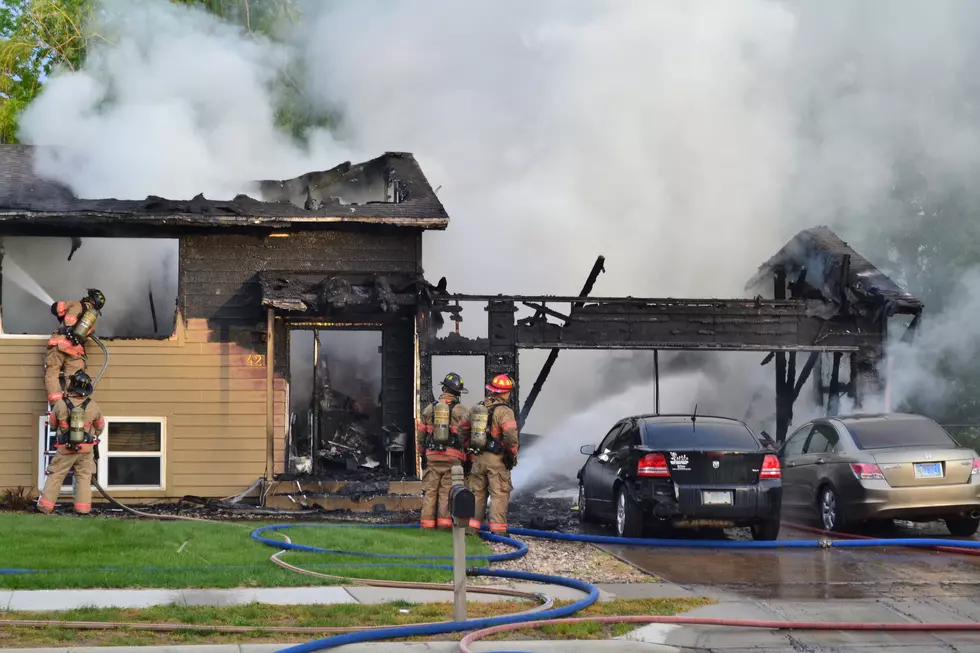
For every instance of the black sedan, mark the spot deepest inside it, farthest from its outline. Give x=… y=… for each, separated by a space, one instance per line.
x=681 y=471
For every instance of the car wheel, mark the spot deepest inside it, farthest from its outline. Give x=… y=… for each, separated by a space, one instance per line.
x=765 y=530
x=628 y=523
x=584 y=514
x=829 y=507
x=963 y=526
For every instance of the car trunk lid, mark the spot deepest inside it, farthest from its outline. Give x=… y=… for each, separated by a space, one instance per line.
x=924 y=466
x=713 y=467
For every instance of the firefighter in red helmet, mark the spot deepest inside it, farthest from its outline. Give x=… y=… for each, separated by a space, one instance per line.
x=493 y=449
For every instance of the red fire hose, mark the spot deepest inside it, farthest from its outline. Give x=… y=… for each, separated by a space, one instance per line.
x=851 y=536
x=464 y=644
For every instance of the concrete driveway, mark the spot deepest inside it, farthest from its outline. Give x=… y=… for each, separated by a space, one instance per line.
x=865 y=585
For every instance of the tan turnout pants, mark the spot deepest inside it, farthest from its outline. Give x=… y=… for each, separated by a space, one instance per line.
x=436 y=483
x=56 y=361
x=61 y=464
x=490 y=477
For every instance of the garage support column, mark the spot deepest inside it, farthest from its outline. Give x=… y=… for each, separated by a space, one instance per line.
x=270 y=398
x=783 y=389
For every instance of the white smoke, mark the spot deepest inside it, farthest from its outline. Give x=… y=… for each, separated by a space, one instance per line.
x=171 y=102
x=684 y=141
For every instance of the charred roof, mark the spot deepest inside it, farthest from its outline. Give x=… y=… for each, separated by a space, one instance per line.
x=388 y=190
x=833 y=272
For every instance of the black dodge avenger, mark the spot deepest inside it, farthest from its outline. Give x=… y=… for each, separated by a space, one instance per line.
x=681 y=471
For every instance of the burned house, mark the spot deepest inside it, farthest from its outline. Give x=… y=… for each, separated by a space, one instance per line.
x=248 y=338
x=290 y=338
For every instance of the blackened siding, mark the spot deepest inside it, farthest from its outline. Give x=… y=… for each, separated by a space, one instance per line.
x=218 y=273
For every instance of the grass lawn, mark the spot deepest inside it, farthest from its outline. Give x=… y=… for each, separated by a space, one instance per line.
x=346 y=615
x=212 y=555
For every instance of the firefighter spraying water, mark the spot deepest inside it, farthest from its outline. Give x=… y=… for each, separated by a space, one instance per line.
x=65 y=354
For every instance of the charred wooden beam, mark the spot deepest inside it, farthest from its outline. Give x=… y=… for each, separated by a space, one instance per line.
x=597 y=269
x=542 y=310
x=783 y=400
x=805 y=374
x=833 y=393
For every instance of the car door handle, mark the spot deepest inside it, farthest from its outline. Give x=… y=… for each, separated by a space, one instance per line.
x=820 y=461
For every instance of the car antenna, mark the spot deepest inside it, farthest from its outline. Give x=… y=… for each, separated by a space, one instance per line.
x=694 y=419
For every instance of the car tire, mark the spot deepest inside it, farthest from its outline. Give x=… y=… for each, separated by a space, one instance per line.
x=829 y=512
x=629 y=522
x=584 y=514
x=767 y=530
x=963 y=526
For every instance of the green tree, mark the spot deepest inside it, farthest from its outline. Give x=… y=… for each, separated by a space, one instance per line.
x=38 y=37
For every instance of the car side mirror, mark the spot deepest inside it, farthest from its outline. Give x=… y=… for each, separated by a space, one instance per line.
x=587 y=450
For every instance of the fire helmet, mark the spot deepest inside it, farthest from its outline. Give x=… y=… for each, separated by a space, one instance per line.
x=454 y=383
x=501 y=384
x=97 y=298
x=80 y=383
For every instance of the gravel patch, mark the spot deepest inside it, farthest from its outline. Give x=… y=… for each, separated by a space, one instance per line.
x=573 y=560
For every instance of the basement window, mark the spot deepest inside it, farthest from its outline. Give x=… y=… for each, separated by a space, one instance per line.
x=131 y=454
x=137 y=275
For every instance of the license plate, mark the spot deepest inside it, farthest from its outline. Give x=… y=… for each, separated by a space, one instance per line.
x=928 y=470
x=712 y=498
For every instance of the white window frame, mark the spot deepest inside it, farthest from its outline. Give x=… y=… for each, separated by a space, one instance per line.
x=105 y=452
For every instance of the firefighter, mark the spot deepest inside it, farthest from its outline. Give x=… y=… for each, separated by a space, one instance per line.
x=66 y=346
x=78 y=422
x=442 y=435
x=493 y=449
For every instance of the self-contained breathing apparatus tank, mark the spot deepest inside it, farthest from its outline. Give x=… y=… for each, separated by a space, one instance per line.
x=479 y=418
x=440 y=431
x=76 y=423
x=85 y=325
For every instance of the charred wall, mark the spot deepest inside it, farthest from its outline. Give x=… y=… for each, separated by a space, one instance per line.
x=218 y=273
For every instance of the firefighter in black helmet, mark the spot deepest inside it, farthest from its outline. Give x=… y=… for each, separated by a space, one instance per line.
x=78 y=421
x=442 y=437
x=66 y=346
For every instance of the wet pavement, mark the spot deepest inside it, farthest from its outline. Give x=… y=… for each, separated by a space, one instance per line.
x=814 y=573
x=865 y=585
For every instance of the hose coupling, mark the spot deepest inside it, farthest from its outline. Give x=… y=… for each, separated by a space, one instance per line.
x=826 y=544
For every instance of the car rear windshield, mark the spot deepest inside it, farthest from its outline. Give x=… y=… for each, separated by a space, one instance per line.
x=684 y=436
x=882 y=434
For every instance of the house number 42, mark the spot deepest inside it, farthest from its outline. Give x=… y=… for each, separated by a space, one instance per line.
x=255 y=360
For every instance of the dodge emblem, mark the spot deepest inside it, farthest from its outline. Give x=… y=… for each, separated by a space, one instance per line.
x=715 y=464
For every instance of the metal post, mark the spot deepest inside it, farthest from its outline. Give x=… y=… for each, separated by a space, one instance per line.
x=459 y=557
x=270 y=395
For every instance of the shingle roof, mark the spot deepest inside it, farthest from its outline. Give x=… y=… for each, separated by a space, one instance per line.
x=389 y=190
x=823 y=254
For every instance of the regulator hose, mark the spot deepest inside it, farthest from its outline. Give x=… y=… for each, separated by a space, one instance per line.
x=105 y=363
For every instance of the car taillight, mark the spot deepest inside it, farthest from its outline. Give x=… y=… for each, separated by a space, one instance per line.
x=976 y=467
x=653 y=464
x=867 y=472
x=770 y=467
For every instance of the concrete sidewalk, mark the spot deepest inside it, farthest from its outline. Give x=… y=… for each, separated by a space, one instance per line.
x=536 y=646
x=52 y=600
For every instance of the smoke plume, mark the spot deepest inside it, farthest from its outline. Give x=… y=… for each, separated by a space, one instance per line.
x=684 y=141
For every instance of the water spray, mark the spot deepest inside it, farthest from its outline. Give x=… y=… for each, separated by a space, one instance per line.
x=15 y=273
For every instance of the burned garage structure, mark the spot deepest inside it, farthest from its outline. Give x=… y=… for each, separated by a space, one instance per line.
x=286 y=343
x=251 y=338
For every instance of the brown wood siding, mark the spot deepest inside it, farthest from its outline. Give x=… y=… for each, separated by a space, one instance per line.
x=218 y=272
x=213 y=400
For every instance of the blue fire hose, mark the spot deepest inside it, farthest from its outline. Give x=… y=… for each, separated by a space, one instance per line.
x=520 y=549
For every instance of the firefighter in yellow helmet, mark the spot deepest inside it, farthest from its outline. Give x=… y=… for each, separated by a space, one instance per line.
x=78 y=422
x=442 y=435
x=66 y=346
x=493 y=449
